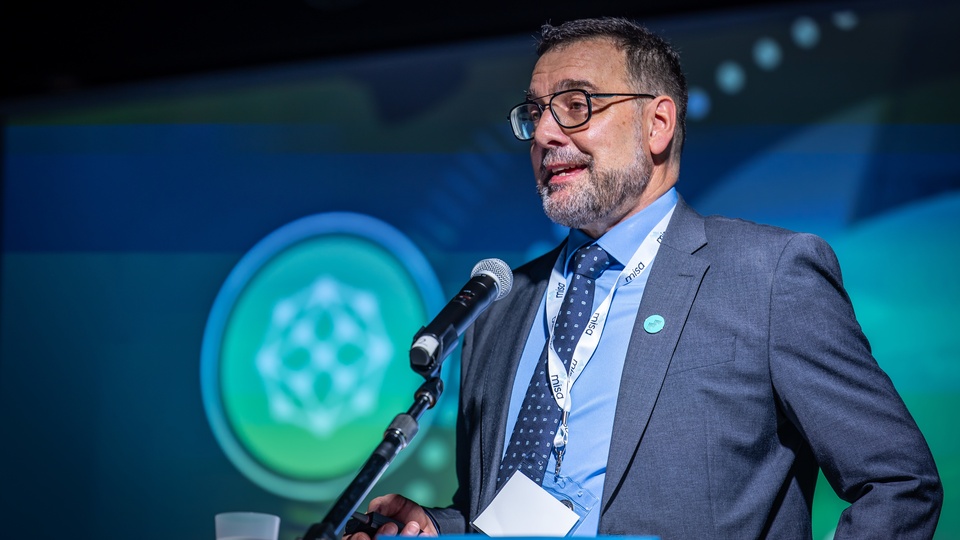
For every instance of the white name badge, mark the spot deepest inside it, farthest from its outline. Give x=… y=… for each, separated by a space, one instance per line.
x=523 y=508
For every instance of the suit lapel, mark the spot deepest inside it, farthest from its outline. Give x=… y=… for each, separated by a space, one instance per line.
x=674 y=279
x=515 y=320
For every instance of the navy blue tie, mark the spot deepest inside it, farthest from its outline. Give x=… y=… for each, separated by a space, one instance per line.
x=539 y=416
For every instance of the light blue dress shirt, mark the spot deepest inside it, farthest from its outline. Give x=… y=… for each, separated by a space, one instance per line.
x=594 y=395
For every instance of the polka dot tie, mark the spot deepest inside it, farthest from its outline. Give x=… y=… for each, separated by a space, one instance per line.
x=539 y=416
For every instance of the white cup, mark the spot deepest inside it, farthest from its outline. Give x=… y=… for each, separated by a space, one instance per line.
x=246 y=526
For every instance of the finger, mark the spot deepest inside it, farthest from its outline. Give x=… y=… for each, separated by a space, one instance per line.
x=411 y=529
x=387 y=505
x=389 y=529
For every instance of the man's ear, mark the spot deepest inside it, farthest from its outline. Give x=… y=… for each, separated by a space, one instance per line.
x=663 y=123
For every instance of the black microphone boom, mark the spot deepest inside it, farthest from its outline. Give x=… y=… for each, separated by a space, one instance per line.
x=491 y=280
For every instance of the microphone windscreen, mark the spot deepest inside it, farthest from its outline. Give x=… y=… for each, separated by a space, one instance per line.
x=499 y=271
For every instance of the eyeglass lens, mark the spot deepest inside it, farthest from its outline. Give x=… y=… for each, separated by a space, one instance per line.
x=570 y=109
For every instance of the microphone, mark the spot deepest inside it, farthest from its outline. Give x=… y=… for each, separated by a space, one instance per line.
x=490 y=280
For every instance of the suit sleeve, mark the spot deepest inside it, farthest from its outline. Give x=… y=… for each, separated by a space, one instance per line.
x=831 y=387
x=453 y=519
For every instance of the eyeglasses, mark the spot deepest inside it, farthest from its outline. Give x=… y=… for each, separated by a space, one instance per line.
x=570 y=108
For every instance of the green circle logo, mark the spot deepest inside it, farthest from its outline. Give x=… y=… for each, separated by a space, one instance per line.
x=305 y=355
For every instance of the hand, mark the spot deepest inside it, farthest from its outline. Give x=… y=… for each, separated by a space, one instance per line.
x=416 y=520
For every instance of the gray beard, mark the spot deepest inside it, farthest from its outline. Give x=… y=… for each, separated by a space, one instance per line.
x=605 y=194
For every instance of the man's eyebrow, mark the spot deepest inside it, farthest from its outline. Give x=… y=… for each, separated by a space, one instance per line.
x=569 y=84
x=565 y=84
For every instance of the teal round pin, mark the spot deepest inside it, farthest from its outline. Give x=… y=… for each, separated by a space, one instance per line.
x=653 y=324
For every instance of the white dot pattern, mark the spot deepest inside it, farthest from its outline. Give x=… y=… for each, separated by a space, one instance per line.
x=536 y=425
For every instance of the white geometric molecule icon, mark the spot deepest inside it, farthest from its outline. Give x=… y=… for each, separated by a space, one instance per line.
x=322 y=360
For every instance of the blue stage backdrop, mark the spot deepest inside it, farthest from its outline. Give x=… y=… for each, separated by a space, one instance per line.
x=209 y=285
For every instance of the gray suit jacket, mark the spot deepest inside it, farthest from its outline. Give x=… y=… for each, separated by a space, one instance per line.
x=760 y=376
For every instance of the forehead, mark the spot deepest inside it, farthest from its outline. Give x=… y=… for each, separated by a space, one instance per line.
x=594 y=64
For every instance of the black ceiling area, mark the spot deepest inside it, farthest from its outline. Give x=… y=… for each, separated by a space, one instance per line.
x=53 y=48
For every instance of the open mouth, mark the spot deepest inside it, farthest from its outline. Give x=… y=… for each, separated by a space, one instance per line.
x=565 y=171
x=561 y=172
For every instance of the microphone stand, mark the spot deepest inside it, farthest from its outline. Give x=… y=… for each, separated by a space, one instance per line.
x=397 y=436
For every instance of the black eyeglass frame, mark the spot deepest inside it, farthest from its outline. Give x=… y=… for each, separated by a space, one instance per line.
x=588 y=95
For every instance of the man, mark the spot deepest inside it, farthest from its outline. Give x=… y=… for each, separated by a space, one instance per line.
x=721 y=366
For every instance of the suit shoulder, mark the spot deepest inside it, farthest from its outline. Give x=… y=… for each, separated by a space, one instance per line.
x=725 y=230
x=766 y=246
x=731 y=226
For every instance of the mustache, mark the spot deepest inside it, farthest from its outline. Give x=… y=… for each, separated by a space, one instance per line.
x=563 y=156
